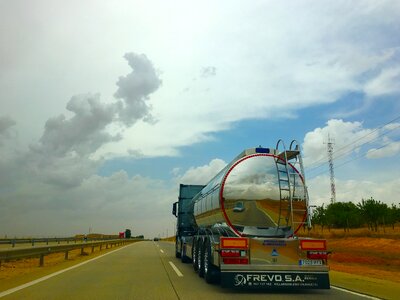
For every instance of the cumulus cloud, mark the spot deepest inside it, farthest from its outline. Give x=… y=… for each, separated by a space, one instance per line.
x=389 y=149
x=208 y=71
x=64 y=154
x=106 y=204
x=353 y=190
x=342 y=133
x=83 y=133
x=86 y=130
x=5 y=124
x=202 y=174
x=134 y=89
x=349 y=138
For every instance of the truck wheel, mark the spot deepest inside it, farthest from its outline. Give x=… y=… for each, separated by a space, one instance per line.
x=184 y=258
x=194 y=255
x=207 y=263
x=211 y=273
x=200 y=260
x=177 y=253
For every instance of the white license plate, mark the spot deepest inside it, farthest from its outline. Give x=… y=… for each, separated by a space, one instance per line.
x=310 y=262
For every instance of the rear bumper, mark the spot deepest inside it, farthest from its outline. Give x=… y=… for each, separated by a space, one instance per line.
x=246 y=279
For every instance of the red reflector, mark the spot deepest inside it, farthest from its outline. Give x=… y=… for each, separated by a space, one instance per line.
x=317 y=255
x=236 y=261
x=313 y=245
x=230 y=253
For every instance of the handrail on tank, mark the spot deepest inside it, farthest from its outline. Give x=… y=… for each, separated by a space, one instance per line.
x=297 y=148
x=283 y=144
x=296 y=145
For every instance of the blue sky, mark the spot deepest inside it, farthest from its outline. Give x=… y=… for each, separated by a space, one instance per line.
x=107 y=107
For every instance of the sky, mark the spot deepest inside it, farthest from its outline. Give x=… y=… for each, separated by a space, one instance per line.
x=106 y=107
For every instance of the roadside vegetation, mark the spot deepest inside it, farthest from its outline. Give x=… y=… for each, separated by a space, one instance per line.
x=369 y=213
x=364 y=238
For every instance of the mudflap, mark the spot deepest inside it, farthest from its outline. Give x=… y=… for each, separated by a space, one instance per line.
x=275 y=280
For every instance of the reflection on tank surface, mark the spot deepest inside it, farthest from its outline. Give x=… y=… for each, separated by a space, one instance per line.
x=239 y=207
x=253 y=199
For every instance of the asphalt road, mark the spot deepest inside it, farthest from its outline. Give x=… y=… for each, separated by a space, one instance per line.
x=145 y=270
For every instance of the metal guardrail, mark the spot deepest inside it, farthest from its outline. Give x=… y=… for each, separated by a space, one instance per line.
x=41 y=252
x=33 y=241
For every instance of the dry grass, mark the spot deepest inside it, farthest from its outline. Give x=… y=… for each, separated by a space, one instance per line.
x=363 y=252
x=169 y=239
x=25 y=266
x=14 y=273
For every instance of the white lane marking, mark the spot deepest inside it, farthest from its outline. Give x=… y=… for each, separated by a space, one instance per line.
x=176 y=269
x=21 y=287
x=354 y=293
x=161 y=251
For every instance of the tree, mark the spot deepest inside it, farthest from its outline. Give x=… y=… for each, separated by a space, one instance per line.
x=319 y=217
x=392 y=215
x=344 y=215
x=373 y=212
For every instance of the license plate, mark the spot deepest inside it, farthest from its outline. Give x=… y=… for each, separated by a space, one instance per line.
x=310 y=262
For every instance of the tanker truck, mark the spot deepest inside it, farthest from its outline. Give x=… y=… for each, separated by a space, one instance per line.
x=241 y=228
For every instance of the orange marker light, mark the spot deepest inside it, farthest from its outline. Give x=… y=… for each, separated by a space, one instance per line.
x=313 y=245
x=236 y=243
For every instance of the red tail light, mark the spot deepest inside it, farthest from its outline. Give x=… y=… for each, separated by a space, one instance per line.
x=230 y=253
x=317 y=254
x=234 y=250
x=236 y=261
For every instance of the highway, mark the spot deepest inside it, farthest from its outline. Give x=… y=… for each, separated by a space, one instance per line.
x=147 y=270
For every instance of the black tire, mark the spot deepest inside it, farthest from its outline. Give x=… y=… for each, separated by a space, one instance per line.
x=177 y=254
x=194 y=256
x=211 y=273
x=184 y=258
x=200 y=259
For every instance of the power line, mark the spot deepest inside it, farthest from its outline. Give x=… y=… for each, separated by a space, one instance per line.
x=348 y=145
x=312 y=169
x=358 y=157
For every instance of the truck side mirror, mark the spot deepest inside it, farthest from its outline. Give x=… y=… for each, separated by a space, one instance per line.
x=174 y=208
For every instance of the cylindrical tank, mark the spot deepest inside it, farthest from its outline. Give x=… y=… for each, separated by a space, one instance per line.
x=253 y=197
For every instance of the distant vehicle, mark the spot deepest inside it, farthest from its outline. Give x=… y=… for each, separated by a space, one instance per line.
x=156 y=239
x=239 y=207
x=258 y=249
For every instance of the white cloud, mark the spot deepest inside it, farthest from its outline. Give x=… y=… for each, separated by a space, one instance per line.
x=202 y=174
x=135 y=89
x=107 y=204
x=342 y=134
x=389 y=149
x=83 y=133
x=349 y=138
x=208 y=71
x=387 y=82
x=267 y=68
x=353 y=190
x=319 y=53
x=5 y=124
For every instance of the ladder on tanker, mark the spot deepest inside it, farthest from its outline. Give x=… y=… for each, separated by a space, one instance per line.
x=287 y=162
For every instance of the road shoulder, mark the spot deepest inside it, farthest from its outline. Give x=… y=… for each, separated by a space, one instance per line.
x=366 y=285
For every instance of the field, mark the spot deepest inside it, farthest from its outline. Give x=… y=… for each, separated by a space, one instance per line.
x=363 y=252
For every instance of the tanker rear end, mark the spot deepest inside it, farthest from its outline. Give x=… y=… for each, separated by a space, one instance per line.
x=246 y=221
